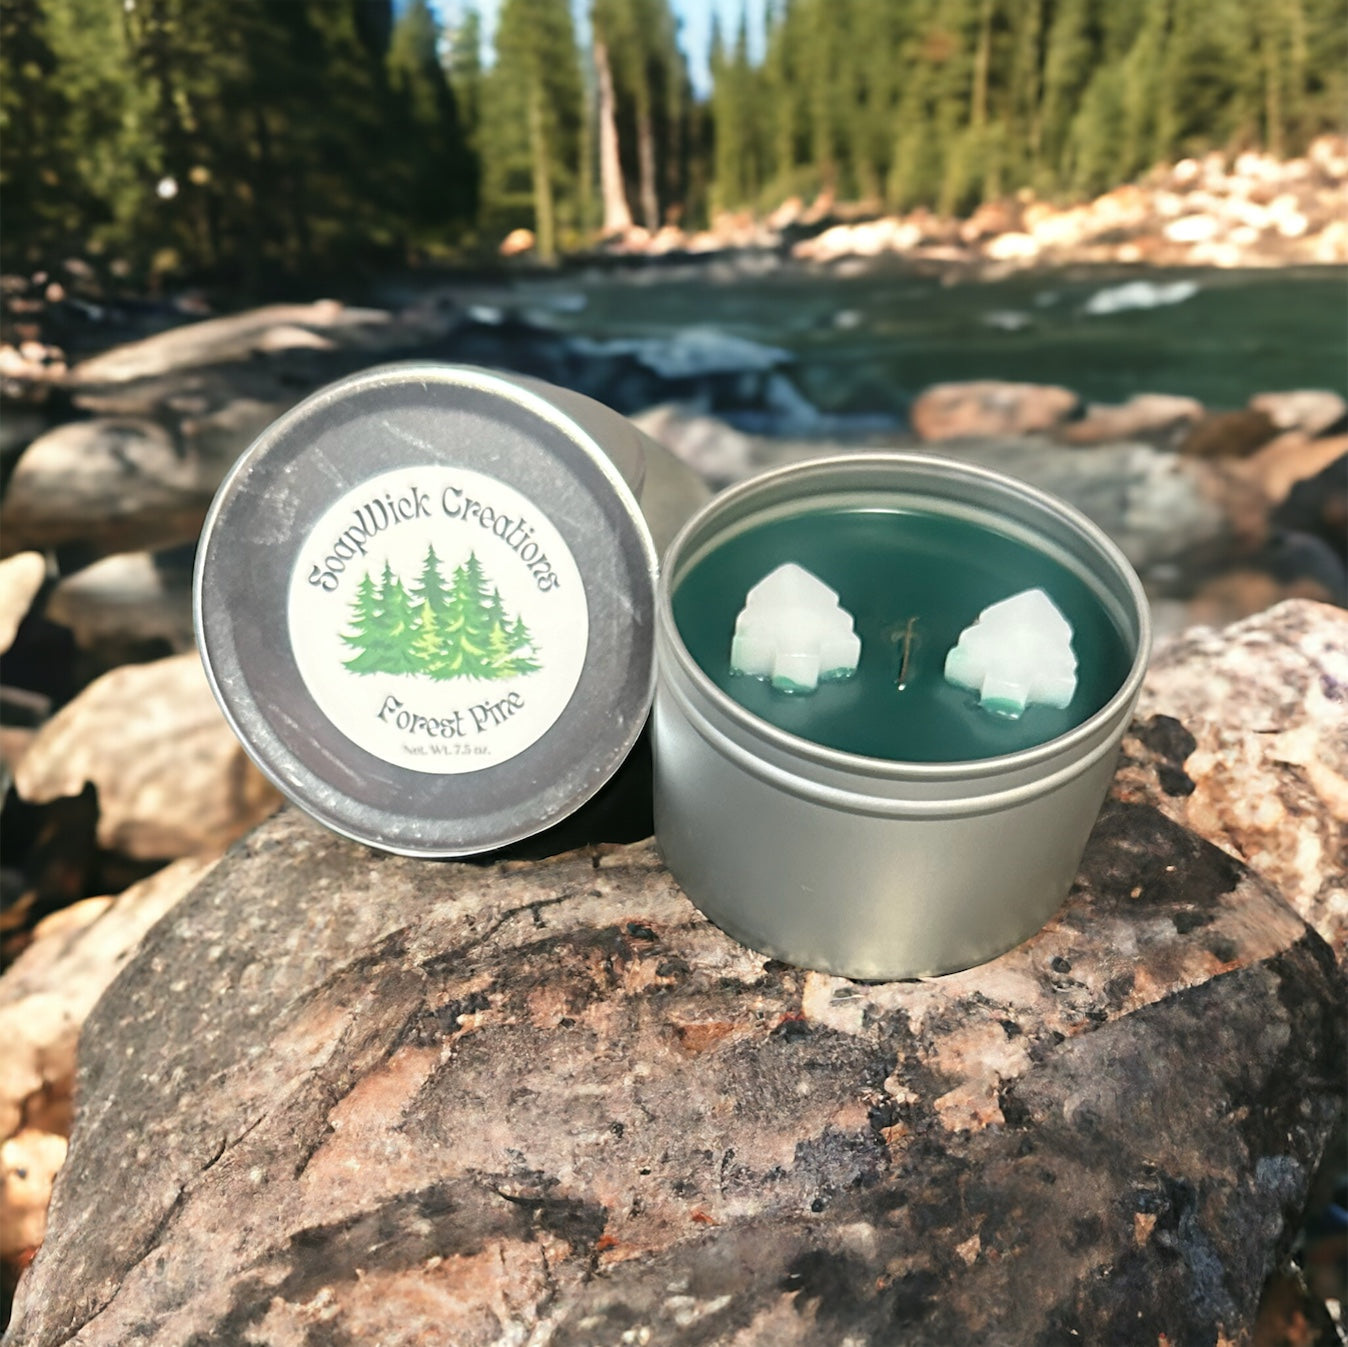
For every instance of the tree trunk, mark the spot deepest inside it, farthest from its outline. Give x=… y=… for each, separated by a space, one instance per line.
x=650 y=204
x=1273 y=59
x=544 y=228
x=617 y=216
x=978 y=111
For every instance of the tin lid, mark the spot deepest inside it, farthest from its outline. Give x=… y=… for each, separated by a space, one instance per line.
x=425 y=597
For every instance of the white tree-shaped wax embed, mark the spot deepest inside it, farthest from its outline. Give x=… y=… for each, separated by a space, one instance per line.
x=791 y=630
x=1018 y=652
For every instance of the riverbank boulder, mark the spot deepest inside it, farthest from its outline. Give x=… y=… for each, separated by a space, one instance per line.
x=1258 y=737
x=979 y=409
x=552 y=1099
x=171 y=777
x=338 y=1095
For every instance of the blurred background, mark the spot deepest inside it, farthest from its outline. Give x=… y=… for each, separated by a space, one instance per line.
x=1098 y=243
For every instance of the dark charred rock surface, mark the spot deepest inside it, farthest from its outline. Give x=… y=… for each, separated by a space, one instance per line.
x=344 y=1098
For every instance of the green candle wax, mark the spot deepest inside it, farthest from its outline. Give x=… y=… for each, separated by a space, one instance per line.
x=889 y=566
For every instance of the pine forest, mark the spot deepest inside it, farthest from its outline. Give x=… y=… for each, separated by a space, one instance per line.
x=459 y=630
x=246 y=140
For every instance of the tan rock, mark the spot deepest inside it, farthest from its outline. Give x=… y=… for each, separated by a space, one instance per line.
x=1266 y=704
x=983 y=408
x=1012 y=247
x=1330 y=245
x=235 y=337
x=172 y=779
x=1292 y=457
x=870 y=238
x=48 y=991
x=21 y=577
x=989 y=220
x=517 y=242
x=1312 y=410
x=1192 y=229
x=1150 y=417
x=29 y=1163
x=15 y=741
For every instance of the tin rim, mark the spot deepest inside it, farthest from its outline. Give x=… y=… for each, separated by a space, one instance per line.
x=935 y=466
x=283 y=763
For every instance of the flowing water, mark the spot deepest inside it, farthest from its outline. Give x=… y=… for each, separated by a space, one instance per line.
x=866 y=337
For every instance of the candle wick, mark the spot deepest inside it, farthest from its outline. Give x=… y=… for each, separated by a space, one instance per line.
x=909 y=640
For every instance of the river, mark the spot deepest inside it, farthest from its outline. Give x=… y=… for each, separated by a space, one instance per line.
x=866 y=337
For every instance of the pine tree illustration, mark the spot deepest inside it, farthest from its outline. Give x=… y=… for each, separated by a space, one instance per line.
x=397 y=631
x=428 y=643
x=498 y=648
x=366 y=625
x=524 y=653
x=430 y=587
x=467 y=635
x=443 y=631
x=496 y=610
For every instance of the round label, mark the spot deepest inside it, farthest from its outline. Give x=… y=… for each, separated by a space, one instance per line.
x=438 y=619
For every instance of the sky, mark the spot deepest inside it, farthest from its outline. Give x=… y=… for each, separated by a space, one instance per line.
x=694 y=26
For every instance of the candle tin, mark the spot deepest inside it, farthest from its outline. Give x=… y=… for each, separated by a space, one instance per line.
x=424 y=600
x=866 y=867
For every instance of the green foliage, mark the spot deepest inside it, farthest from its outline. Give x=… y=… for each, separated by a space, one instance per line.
x=459 y=630
x=949 y=102
x=245 y=140
x=464 y=69
x=532 y=107
x=286 y=137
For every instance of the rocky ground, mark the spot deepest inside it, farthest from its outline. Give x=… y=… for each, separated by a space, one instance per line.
x=125 y=786
x=1252 y=210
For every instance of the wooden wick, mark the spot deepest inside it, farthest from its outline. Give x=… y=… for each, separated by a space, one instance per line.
x=909 y=640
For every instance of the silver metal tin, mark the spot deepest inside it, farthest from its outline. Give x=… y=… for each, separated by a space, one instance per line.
x=863 y=867
x=576 y=474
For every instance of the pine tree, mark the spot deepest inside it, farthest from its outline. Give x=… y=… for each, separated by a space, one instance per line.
x=365 y=635
x=440 y=187
x=396 y=626
x=428 y=647
x=430 y=588
x=465 y=73
x=466 y=626
x=530 y=145
x=523 y=651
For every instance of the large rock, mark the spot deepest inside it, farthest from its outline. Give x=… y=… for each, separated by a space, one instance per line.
x=272 y=328
x=1166 y=511
x=127 y=600
x=1151 y=418
x=717 y=452
x=980 y=408
x=29 y=1163
x=172 y=779
x=345 y=1097
x=1258 y=746
x=1294 y=456
x=111 y=483
x=21 y=577
x=1312 y=410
